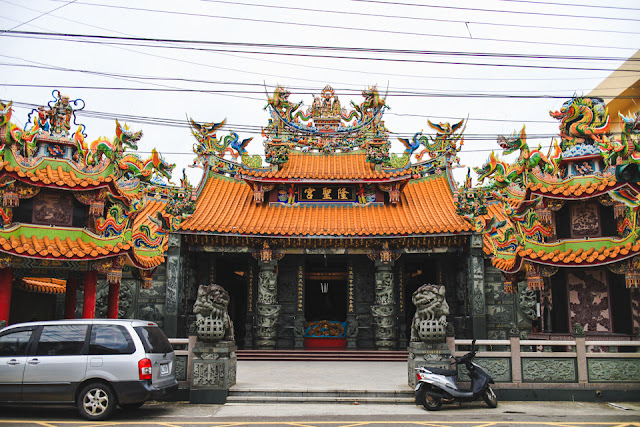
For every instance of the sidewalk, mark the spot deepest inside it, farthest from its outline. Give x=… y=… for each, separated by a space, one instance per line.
x=322 y=376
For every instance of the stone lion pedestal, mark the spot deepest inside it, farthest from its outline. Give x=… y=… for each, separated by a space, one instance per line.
x=213 y=368
x=428 y=331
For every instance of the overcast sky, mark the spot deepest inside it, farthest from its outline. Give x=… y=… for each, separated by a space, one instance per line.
x=581 y=43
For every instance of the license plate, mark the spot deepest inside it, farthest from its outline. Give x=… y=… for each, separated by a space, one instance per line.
x=164 y=369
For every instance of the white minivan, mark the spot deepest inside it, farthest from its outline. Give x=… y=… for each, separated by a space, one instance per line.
x=95 y=364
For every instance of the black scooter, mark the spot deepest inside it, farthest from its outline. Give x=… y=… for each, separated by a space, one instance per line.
x=437 y=386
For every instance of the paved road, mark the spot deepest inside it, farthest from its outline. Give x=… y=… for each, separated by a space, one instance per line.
x=181 y=414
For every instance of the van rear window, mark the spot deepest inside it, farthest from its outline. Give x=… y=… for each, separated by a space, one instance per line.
x=153 y=339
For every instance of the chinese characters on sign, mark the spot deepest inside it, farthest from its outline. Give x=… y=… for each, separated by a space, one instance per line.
x=326 y=193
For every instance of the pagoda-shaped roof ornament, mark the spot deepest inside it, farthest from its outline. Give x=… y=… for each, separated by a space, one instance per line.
x=98 y=195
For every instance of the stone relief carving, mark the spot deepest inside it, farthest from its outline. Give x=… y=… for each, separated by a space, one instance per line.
x=549 y=370
x=614 y=370
x=528 y=301
x=212 y=319
x=498 y=368
x=267 y=287
x=173 y=272
x=268 y=310
x=181 y=368
x=430 y=320
x=383 y=310
x=127 y=299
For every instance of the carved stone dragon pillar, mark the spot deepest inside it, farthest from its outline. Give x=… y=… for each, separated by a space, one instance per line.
x=383 y=309
x=267 y=304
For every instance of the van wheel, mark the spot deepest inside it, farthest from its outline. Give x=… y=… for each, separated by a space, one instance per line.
x=96 y=402
x=490 y=397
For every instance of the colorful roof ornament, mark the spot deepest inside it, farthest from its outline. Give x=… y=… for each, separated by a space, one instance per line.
x=68 y=199
x=321 y=163
x=560 y=209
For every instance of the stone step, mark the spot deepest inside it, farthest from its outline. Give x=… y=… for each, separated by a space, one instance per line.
x=326 y=396
x=324 y=355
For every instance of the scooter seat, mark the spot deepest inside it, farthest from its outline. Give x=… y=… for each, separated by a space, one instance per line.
x=445 y=372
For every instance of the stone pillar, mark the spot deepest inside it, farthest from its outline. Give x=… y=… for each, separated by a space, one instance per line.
x=113 y=301
x=70 y=298
x=298 y=320
x=172 y=286
x=475 y=281
x=89 y=299
x=428 y=346
x=383 y=310
x=268 y=309
x=352 y=320
x=6 y=285
x=214 y=362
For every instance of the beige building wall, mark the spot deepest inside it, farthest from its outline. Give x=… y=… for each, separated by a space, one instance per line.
x=621 y=91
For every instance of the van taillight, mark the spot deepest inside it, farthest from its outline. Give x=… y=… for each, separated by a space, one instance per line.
x=144 y=369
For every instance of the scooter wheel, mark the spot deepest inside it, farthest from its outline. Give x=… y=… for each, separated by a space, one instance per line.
x=490 y=397
x=430 y=403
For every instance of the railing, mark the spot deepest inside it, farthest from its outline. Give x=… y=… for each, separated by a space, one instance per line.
x=183 y=349
x=575 y=362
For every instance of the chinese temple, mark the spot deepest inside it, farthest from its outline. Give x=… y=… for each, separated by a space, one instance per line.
x=324 y=245
x=74 y=213
x=562 y=227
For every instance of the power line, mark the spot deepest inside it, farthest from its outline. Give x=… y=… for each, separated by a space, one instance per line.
x=590 y=6
x=145 y=78
x=40 y=16
x=347 y=49
x=128 y=41
x=395 y=93
x=336 y=27
x=517 y=12
x=416 y=18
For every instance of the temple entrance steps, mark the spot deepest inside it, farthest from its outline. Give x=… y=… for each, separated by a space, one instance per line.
x=349 y=397
x=316 y=381
x=327 y=355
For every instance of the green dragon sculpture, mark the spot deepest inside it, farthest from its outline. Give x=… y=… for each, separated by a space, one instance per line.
x=503 y=174
x=114 y=151
x=628 y=148
x=582 y=119
x=131 y=167
x=528 y=158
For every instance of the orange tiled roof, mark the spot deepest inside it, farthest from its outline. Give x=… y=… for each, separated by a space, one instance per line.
x=226 y=206
x=573 y=190
x=150 y=208
x=580 y=256
x=58 y=248
x=336 y=166
x=44 y=285
x=58 y=176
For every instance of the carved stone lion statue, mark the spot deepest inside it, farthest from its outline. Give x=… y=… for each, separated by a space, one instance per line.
x=212 y=319
x=430 y=321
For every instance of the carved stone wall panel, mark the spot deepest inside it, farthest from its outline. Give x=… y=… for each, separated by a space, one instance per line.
x=151 y=302
x=126 y=303
x=614 y=370
x=181 y=368
x=498 y=368
x=500 y=314
x=549 y=370
x=172 y=284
